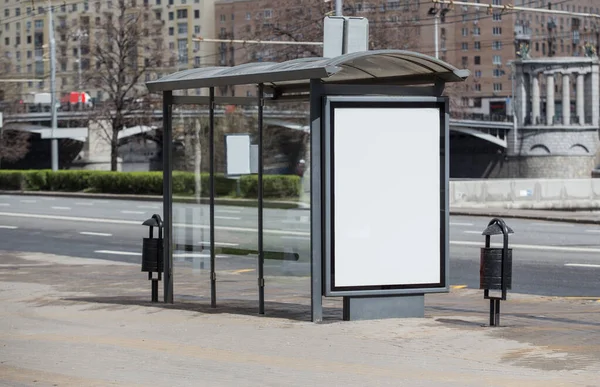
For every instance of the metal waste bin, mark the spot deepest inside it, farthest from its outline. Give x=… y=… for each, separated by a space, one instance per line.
x=152 y=253
x=495 y=267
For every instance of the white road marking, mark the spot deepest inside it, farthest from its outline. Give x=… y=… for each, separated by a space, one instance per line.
x=460 y=224
x=219 y=243
x=190 y=255
x=296 y=237
x=133 y=212
x=84 y=204
x=95 y=233
x=531 y=247
x=116 y=252
x=582 y=265
x=472 y=232
x=9 y=227
x=28 y=201
x=227 y=218
x=229 y=211
x=60 y=208
x=137 y=223
x=4 y=204
x=552 y=224
x=151 y=207
x=592 y=230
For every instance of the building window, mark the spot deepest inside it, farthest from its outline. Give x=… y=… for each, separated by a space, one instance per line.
x=478 y=74
x=17 y=11
x=182 y=28
x=497 y=87
x=18 y=42
x=477 y=87
x=171 y=45
x=28 y=10
x=157 y=2
x=182 y=14
x=29 y=54
x=248 y=16
x=171 y=16
x=465 y=46
x=477 y=45
x=497 y=59
x=465 y=61
x=7 y=41
x=38 y=24
x=477 y=31
x=197 y=61
x=170 y=2
x=497 y=17
x=171 y=31
x=465 y=32
x=196 y=14
x=497 y=31
x=6 y=12
x=477 y=60
x=268 y=13
x=222 y=18
x=497 y=2
x=497 y=45
x=74 y=8
x=497 y=73
x=196 y=29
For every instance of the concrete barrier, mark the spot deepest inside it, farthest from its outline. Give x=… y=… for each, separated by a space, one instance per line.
x=565 y=194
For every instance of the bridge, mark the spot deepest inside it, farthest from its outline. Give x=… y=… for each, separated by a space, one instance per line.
x=494 y=132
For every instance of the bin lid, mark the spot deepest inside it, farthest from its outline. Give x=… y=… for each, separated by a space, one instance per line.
x=495 y=229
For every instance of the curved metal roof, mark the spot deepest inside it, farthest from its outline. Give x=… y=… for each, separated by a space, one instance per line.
x=367 y=67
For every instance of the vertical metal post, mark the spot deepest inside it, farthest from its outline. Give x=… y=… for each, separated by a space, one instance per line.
x=316 y=200
x=492 y=312
x=437 y=21
x=211 y=163
x=338 y=7
x=261 y=255
x=167 y=153
x=54 y=141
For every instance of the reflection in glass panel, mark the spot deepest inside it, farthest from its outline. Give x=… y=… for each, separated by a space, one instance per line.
x=236 y=225
x=191 y=232
x=287 y=206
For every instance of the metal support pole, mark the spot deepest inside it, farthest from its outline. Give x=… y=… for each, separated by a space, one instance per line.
x=316 y=201
x=492 y=312
x=167 y=154
x=338 y=7
x=261 y=255
x=54 y=141
x=437 y=21
x=514 y=108
x=78 y=62
x=211 y=163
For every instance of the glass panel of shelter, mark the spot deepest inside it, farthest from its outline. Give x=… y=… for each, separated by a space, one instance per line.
x=191 y=217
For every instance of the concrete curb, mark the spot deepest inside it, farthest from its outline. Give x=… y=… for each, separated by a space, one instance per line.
x=525 y=214
x=155 y=198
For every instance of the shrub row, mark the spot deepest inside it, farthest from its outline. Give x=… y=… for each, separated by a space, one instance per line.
x=145 y=183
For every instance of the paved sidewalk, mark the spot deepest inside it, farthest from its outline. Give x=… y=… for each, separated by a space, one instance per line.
x=81 y=322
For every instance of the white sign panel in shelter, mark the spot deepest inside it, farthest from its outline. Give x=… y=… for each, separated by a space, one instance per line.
x=385 y=188
x=237 y=151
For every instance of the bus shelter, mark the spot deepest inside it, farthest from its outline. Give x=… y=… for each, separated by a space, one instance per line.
x=378 y=169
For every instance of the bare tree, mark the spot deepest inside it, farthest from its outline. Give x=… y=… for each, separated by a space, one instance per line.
x=302 y=20
x=14 y=144
x=128 y=47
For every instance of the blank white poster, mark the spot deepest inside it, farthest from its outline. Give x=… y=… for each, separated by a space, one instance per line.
x=386 y=196
x=238 y=154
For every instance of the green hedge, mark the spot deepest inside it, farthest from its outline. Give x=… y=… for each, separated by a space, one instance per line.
x=144 y=183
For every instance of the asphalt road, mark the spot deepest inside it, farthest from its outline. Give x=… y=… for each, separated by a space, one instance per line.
x=560 y=259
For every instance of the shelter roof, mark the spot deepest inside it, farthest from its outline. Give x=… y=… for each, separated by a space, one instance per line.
x=392 y=67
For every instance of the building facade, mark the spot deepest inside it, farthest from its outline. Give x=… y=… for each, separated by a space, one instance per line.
x=24 y=40
x=481 y=40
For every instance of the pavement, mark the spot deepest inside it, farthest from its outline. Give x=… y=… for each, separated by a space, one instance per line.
x=67 y=321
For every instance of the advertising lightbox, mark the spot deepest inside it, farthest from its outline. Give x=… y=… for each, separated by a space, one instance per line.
x=386 y=179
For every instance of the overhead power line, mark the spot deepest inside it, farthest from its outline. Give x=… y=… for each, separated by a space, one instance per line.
x=510 y=7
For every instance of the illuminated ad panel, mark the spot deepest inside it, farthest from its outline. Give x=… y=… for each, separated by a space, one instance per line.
x=385 y=195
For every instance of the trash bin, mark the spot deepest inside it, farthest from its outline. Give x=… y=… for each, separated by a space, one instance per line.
x=152 y=253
